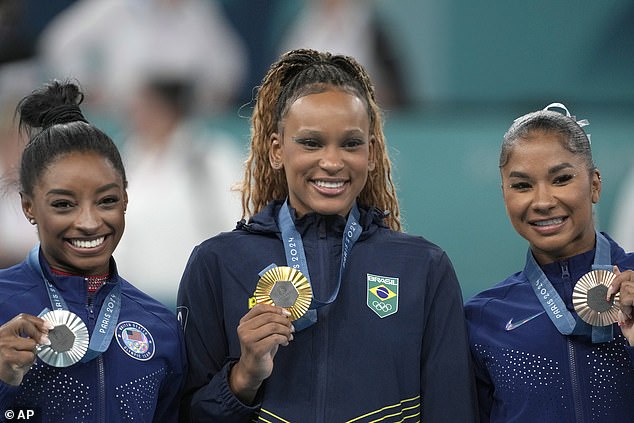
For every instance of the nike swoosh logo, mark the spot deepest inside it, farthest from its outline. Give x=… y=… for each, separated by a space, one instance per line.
x=510 y=325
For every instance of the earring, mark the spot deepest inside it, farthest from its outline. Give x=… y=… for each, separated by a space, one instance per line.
x=32 y=221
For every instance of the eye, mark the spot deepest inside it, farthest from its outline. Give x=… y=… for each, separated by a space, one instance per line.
x=353 y=143
x=61 y=204
x=310 y=143
x=520 y=186
x=109 y=201
x=563 y=179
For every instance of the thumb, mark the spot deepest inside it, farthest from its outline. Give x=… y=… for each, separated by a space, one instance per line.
x=615 y=286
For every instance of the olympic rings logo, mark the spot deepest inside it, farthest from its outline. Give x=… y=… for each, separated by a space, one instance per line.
x=382 y=306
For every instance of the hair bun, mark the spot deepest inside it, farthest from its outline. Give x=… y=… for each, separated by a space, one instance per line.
x=63 y=113
x=55 y=103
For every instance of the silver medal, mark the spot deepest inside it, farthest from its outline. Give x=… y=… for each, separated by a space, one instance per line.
x=69 y=339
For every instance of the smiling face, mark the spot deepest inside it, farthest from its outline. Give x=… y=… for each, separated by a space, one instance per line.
x=326 y=151
x=548 y=192
x=79 y=204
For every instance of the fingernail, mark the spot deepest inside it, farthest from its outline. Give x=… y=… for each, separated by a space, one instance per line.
x=44 y=340
x=286 y=312
x=292 y=329
x=49 y=325
x=290 y=338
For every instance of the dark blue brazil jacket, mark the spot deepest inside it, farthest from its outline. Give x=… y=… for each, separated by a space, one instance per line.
x=409 y=362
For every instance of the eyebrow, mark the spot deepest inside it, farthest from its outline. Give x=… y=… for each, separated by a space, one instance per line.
x=59 y=191
x=553 y=170
x=315 y=133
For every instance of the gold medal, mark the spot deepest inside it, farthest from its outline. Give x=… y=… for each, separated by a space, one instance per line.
x=69 y=339
x=287 y=288
x=588 y=297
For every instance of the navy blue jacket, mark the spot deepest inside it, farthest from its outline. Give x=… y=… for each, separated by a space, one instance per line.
x=533 y=373
x=120 y=385
x=412 y=365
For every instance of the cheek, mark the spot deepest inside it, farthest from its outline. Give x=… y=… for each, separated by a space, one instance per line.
x=515 y=207
x=509 y=202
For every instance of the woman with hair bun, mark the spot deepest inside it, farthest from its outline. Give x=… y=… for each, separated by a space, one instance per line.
x=78 y=343
x=552 y=343
x=320 y=309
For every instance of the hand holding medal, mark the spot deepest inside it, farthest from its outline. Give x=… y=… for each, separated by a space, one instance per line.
x=282 y=295
x=623 y=285
x=19 y=339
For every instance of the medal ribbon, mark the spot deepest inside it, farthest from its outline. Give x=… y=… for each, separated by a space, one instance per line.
x=555 y=308
x=296 y=257
x=103 y=333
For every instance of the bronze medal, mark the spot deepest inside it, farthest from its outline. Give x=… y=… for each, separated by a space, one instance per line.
x=588 y=298
x=287 y=288
x=69 y=339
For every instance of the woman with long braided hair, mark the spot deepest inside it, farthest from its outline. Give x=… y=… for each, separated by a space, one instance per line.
x=340 y=316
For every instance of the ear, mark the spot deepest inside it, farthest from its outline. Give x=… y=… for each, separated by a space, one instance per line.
x=27 y=206
x=372 y=154
x=596 y=186
x=275 y=152
x=125 y=200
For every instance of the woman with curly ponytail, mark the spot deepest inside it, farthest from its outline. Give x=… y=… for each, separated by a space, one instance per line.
x=318 y=308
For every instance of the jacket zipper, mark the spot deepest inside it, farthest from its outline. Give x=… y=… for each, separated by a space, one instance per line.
x=101 y=378
x=322 y=328
x=102 y=388
x=572 y=361
x=574 y=381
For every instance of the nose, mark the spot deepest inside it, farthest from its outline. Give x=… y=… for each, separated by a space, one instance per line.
x=88 y=219
x=543 y=199
x=331 y=160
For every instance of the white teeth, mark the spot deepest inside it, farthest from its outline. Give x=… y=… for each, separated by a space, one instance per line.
x=87 y=244
x=325 y=184
x=549 y=222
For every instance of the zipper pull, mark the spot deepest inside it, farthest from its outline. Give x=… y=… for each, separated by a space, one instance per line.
x=564 y=270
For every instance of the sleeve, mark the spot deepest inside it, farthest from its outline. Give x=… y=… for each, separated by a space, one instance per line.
x=446 y=368
x=7 y=395
x=484 y=386
x=207 y=396
x=167 y=409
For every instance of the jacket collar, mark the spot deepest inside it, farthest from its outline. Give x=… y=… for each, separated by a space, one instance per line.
x=74 y=288
x=371 y=219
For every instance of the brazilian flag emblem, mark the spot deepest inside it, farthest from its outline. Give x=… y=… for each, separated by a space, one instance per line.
x=382 y=294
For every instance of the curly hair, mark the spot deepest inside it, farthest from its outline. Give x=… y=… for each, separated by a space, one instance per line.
x=298 y=73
